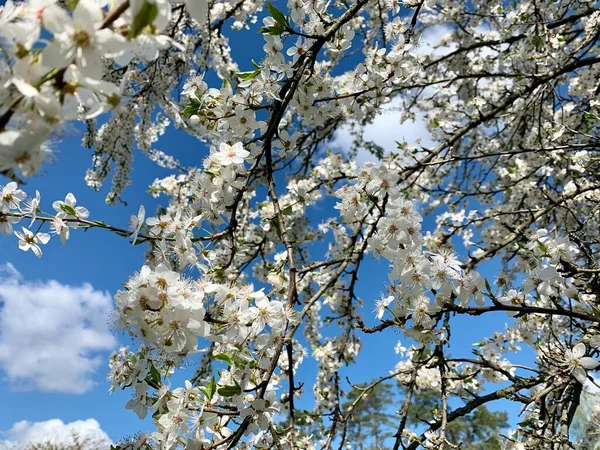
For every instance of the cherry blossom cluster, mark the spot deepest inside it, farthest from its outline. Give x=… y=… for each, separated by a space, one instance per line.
x=170 y=313
x=16 y=206
x=57 y=60
x=238 y=274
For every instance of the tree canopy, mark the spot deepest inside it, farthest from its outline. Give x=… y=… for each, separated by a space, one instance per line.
x=255 y=258
x=371 y=421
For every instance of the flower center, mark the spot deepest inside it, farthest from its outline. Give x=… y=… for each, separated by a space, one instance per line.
x=23 y=158
x=81 y=38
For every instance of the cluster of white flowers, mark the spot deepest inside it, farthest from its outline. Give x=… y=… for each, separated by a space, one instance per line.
x=166 y=311
x=228 y=224
x=169 y=313
x=65 y=216
x=414 y=272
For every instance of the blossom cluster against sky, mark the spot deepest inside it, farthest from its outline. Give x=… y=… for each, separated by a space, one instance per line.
x=55 y=313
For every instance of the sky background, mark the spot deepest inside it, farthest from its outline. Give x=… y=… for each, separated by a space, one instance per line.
x=56 y=330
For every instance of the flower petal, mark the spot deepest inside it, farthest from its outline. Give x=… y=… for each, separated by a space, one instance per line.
x=71 y=201
x=44 y=238
x=589 y=363
x=198 y=10
x=579 y=375
x=90 y=62
x=55 y=19
x=88 y=15
x=579 y=350
x=57 y=55
x=25 y=88
x=111 y=44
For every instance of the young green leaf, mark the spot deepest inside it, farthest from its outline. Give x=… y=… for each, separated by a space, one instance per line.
x=277 y=15
x=145 y=16
x=248 y=75
x=230 y=391
x=68 y=209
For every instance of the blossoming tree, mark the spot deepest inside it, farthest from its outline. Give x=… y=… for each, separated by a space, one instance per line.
x=510 y=94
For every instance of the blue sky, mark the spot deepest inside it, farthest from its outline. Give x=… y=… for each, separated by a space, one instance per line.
x=93 y=265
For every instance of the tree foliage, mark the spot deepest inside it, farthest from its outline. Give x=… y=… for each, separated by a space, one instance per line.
x=372 y=421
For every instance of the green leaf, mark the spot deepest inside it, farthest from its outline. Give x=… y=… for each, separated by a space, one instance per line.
x=224 y=357
x=68 y=209
x=210 y=388
x=72 y=4
x=248 y=75
x=154 y=375
x=189 y=111
x=273 y=31
x=487 y=286
x=145 y=16
x=239 y=361
x=538 y=42
x=191 y=108
x=277 y=15
x=287 y=210
x=275 y=223
x=526 y=423
x=230 y=391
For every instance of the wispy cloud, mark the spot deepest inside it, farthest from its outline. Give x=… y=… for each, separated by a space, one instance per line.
x=51 y=333
x=385 y=131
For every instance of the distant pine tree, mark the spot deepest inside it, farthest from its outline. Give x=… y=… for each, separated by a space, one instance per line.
x=373 y=420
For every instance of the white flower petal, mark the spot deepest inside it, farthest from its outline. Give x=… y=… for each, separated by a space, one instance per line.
x=579 y=350
x=36 y=251
x=198 y=10
x=25 y=88
x=88 y=15
x=82 y=212
x=549 y=273
x=57 y=55
x=111 y=44
x=70 y=199
x=44 y=238
x=55 y=19
x=8 y=139
x=589 y=363
x=579 y=374
x=91 y=62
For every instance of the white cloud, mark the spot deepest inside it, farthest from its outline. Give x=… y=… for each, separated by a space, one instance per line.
x=51 y=333
x=384 y=131
x=386 y=128
x=431 y=38
x=55 y=431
